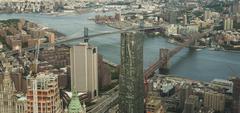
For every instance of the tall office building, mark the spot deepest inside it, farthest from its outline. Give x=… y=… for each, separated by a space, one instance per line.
x=191 y=104
x=131 y=79
x=84 y=69
x=185 y=92
x=43 y=94
x=236 y=95
x=214 y=101
x=228 y=23
x=236 y=7
x=7 y=94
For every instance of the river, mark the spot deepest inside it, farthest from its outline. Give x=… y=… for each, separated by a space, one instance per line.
x=202 y=65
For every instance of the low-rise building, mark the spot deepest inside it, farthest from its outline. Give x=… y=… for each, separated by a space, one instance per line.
x=154 y=105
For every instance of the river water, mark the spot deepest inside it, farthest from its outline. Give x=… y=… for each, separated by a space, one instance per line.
x=198 y=65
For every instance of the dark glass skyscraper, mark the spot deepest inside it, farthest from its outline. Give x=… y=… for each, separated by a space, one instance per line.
x=236 y=95
x=131 y=82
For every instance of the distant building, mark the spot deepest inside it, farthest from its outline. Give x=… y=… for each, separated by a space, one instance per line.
x=222 y=84
x=84 y=69
x=167 y=90
x=185 y=19
x=43 y=94
x=228 y=23
x=131 y=82
x=171 y=30
x=188 y=29
x=58 y=57
x=236 y=7
x=173 y=16
x=214 y=101
x=207 y=15
x=1 y=45
x=236 y=95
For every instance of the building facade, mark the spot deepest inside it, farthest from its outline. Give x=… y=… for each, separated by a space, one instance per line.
x=84 y=69
x=228 y=23
x=214 y=101
x=7 y=94
x=185 y=92
x=236 y=95
x=43 y=95
x=131 y=82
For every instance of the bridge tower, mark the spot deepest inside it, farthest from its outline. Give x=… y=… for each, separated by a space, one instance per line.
x=86 y=38
x=164 y=59
x=194 y=45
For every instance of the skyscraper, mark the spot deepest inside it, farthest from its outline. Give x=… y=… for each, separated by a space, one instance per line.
x=7 y=94
x=43 y=94
x=192 y=104
x=185 y=92
x=84 y=69
x=131 y=83
x=236 y=95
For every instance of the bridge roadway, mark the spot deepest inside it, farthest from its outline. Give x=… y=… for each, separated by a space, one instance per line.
x=153 y=67
x=67 y=39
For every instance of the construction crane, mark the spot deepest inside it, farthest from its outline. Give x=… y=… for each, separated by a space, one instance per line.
x=33 y=75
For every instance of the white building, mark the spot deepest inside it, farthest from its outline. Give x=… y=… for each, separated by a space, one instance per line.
x=171 y=29
x=188 y=29
x=1 y=45
x=84 y=69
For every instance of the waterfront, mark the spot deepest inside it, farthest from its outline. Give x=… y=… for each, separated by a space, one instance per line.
x=200 y=65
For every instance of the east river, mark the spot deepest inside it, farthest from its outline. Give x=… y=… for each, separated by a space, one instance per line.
x=198 y=65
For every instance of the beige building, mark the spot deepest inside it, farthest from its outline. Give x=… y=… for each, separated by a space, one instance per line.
x=84 y=69
x=154 y=105
x=228 y=23
x=214 y=100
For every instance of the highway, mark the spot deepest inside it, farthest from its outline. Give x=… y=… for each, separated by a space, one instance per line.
x=104 y=102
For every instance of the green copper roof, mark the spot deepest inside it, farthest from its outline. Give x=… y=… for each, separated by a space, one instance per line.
x=74 y=105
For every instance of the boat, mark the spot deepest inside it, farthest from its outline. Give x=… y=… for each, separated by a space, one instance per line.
x=172 y=41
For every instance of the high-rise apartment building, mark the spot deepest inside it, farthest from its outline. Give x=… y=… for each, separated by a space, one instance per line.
x=7 y=94
x=236 y=95
x=214 y=101
x=84 y=69
x=131 y=79
x=228 y=23
x=43 y=95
